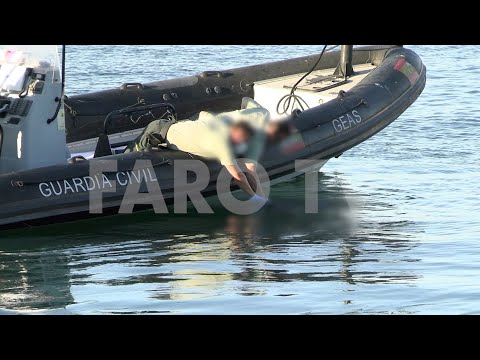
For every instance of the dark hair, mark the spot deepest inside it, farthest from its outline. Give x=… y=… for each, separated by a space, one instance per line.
x=283 y=128
x=245 y=126
x=281 y=131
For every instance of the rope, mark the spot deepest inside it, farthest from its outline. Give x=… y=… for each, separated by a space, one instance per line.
x=286 y=101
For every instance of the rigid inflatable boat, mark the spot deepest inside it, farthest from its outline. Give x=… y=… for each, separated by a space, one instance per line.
x=335 y=100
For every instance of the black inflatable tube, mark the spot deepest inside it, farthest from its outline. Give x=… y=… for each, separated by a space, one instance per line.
x=87 y=112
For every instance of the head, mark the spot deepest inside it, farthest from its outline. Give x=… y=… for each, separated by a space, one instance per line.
x=241 y=133
x=277 y=131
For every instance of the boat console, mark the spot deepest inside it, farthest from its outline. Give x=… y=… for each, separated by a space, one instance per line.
x=32 y=125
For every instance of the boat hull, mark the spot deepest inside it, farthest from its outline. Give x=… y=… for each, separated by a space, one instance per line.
x=61 y=193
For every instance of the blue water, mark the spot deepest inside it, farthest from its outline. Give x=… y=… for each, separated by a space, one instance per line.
x=397 y=233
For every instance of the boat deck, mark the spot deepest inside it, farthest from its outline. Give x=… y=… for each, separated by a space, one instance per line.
x=316 y=89
x=267 y=93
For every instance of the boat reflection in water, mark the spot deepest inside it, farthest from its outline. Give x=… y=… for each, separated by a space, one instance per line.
x=189 y=263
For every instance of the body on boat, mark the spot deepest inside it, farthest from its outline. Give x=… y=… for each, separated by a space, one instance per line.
x=48 y=140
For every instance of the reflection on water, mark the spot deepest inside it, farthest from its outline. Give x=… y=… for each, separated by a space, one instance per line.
x=207 y=259
x=33 y=280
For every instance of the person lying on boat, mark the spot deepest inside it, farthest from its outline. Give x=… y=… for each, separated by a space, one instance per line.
x=224 y=137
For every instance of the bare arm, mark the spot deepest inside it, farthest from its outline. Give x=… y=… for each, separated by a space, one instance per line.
x=240 y=179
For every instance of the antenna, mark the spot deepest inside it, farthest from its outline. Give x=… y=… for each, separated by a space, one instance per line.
x=59 y=99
